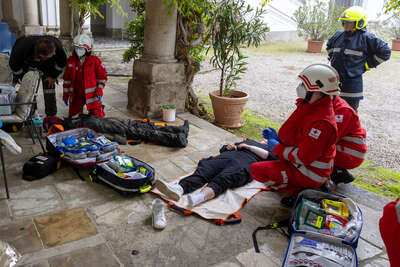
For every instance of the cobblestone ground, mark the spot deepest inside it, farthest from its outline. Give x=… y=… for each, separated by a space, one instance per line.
x=271 y=81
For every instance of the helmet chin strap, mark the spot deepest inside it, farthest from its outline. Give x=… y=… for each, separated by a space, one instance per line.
x=307 y=98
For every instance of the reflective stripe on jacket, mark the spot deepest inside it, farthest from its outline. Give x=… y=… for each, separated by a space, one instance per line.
x=95 y=77
x=351 y=147
x=308 y=137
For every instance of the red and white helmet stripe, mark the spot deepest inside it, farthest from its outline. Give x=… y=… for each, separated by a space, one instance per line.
x=83 y=40
x=320 y=78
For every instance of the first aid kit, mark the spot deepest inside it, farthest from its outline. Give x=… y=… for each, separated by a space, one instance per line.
x=325 y=228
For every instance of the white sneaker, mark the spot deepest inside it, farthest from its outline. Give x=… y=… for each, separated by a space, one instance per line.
x=173 y=191
x=158 y=219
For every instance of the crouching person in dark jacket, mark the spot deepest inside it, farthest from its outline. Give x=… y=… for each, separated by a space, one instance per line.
x=228 y=170
x=354 y=51
x=43 y=53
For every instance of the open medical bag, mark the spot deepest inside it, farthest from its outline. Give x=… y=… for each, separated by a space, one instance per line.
x=81 y=147
x=325 y=228
x=84 y=148
x=125 y=174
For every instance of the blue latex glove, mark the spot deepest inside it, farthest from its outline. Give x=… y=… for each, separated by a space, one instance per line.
x=270 y=133
x=99 y=99
x=272 y=143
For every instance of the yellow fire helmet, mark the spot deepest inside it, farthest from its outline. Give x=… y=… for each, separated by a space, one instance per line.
x=356 y=14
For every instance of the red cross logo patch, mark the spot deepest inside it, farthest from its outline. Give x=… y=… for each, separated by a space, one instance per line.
x=339 y=118
x=314 y=133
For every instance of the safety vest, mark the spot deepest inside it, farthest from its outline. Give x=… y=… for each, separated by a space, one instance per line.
x=298 y=136
x=351 y=147
x=95 y=78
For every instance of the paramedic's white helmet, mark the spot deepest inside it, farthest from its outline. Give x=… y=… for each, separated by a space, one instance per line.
x=320 y=78
x=83 y=40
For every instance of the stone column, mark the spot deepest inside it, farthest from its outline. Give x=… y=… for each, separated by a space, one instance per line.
x=66 y=22
x=31 y=18
x=158 y=79
x=8 y=16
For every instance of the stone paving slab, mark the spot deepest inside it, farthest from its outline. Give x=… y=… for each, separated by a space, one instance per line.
x=22 y=235
x=370 y=231
x=64 y=227
x=121 y=211
x=98 y=256
x=78 y=193
x=40 y=257
x=34 y=201
x=186 y=241
x=366 y=251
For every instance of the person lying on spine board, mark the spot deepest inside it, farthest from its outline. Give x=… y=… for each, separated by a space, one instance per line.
x=228 y=170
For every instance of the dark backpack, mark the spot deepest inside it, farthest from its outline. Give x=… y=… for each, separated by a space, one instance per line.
x=40 y=166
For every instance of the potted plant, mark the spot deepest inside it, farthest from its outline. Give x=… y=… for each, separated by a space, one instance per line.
x=169 y=112
x=233 y=24
x=393 y=24
x=316 y=22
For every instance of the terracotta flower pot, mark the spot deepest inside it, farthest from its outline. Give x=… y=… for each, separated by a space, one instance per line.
x=227 y=110
x=314 y=46
x=396 y=44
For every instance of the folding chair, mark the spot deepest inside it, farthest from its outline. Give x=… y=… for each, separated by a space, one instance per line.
x=26 y=105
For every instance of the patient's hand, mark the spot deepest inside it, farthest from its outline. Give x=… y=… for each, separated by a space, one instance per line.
x=231 y=147
x=243 y=146
x=264 y=141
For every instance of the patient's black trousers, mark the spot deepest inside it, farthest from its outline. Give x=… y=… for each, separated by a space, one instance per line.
x=228 y=170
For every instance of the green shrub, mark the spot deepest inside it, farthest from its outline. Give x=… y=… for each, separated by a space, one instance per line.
x=318 y=21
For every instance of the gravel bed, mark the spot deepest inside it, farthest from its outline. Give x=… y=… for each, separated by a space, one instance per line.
x=271 y=81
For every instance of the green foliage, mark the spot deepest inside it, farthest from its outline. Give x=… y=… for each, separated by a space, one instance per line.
x=135 y=31
x=319 y=20
x=233 y=24
x=168 y=107
x=393 y=24
x=392 y=5
x=85 y=8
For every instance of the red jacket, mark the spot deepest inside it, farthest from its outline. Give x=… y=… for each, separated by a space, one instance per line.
x=351 y=146
x=308 y=137
x=389 y=226
x=95 y=77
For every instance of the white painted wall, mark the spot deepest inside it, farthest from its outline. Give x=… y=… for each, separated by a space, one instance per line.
x=50 y=11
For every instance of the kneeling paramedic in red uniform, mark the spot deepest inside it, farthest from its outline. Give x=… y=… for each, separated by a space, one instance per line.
x=306 y=143
x=351 y=147
x=84 y=79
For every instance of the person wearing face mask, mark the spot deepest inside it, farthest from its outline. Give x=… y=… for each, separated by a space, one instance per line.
x=43 y=53
x=353 y=51
x=305 y=143
x=84 y=79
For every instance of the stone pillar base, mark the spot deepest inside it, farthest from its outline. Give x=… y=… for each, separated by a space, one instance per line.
x=32 y=30
x=154 y=85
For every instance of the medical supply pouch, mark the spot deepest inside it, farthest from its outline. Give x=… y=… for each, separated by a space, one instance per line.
x=325 y=228
x=40 y=166
x=125 y=174
x=81 y=147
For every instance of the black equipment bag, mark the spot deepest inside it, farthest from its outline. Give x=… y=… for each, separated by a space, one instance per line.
x=40 y=166
x=126 y=186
